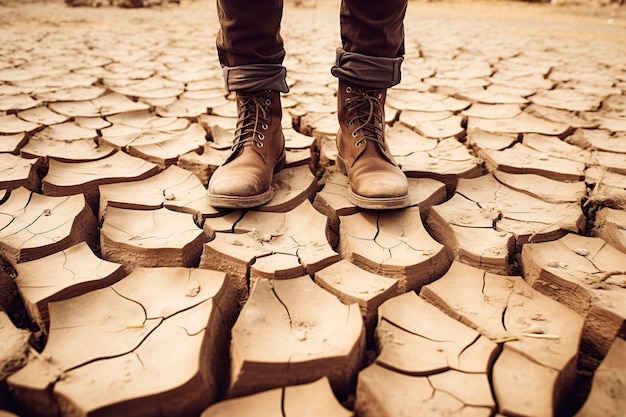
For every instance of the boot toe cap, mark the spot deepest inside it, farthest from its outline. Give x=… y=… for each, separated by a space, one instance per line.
x=236 y=186
x=381 y=186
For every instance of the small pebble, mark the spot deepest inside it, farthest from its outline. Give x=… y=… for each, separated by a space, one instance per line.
x=582 y=251
x=193 y=291
x=534 y=329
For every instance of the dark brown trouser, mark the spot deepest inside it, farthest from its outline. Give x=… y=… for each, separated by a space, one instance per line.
x=251 y=49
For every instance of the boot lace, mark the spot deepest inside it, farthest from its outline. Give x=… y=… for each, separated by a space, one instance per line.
x=367 y=112
x=253 y=114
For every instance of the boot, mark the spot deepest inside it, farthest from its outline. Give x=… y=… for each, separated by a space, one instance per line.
x=245 y=178
x=375 y=180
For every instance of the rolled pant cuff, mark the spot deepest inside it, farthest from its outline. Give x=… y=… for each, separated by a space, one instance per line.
x=256 y=77
x=367 y=71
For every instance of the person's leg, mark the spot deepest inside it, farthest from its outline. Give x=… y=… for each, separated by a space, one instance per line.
x=373 y=28
x=251 y=53
x=368 y=63
x=249 y=45
x=249 y=32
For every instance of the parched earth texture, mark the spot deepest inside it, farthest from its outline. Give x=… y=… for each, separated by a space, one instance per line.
x=501 y=290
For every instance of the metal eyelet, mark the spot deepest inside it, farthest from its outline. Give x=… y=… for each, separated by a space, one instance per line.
x=260 y=136
x=354 y=134
x=268 y=101
x=350 y=123
x=259 y=145
x=348 y=89
x=358 y=144
x=263 y=126
x=380 y=96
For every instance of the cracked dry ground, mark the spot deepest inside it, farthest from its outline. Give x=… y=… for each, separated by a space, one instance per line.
x=500 y=291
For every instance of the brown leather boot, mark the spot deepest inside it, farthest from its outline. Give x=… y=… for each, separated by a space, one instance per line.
x=245 y=178
x=376 y=181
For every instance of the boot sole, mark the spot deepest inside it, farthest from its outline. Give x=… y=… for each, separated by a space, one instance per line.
x=236 y=202
x=373 y=203
x=241 y=202
x=378 y=203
